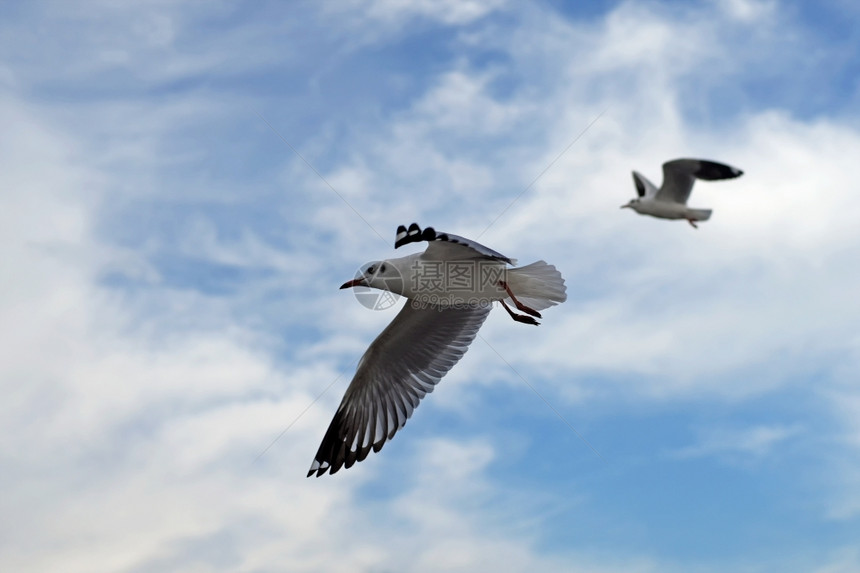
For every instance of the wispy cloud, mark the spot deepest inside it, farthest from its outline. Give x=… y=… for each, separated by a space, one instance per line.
x=753 y=442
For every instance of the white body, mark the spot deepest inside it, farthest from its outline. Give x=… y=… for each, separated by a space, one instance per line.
x=473 y=280
x=669 y=210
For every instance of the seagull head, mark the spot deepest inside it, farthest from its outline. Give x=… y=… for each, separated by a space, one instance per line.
x=632 y=204
x=377 y=274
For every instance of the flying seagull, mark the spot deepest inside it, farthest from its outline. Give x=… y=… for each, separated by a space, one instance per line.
x=450 y=288
x=670 y=200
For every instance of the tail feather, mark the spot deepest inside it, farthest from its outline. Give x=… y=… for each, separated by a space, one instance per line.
x=700 y=214
x=538 y=285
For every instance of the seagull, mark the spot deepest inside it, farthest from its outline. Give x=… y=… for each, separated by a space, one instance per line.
x=670 y=200
x=450 y=289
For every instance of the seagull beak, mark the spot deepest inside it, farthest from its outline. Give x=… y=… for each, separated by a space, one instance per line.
x=353 y=283
x=627 y=205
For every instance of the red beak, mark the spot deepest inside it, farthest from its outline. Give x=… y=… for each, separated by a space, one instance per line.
x=353 y=283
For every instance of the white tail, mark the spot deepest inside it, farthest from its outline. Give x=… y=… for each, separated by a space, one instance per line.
x=538 y=285
x=700 y=214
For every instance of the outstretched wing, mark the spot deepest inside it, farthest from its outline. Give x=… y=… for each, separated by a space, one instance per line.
x=445 y=246
x=644 y=188
x=680 y=174
x=400 y=367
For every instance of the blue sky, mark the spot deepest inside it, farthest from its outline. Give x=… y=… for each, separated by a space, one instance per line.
x=170 y=301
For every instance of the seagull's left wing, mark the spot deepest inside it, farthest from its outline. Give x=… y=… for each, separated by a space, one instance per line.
x=400 y=367
x=680 y=174
x=445 y=246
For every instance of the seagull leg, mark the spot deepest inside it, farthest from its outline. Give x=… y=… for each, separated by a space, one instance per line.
x=520 y=306
x=519 y=317
x=692 y=222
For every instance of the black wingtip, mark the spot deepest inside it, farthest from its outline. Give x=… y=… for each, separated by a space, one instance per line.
x=411 y=235
x=640 y=187
x=318 y=468
x=334 y=452
x=713 y=171
x=402 y=233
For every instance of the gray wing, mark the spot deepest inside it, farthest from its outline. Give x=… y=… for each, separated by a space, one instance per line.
x=445 y=246
x=400 y=367
x=644 y=188
x=680 y=174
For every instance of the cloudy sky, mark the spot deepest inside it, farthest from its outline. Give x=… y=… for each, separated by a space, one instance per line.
x=173 y=343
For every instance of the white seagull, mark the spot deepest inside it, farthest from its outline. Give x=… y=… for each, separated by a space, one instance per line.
x=450 y=288
x=670 y=200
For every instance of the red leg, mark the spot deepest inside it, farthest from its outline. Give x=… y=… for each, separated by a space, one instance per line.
x=519 y=305
x=692 y=222
x=519 y=317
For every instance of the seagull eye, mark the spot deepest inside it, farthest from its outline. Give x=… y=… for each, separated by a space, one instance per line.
x=370 y=269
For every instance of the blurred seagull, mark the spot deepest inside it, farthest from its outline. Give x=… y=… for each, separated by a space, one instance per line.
x=450 y=288
x=670 y=200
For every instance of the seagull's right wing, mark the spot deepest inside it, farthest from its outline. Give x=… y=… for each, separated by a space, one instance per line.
x=680 y=174
x=644 y=188
x=402 y=365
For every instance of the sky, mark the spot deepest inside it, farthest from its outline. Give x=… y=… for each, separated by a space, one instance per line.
x=184 y=185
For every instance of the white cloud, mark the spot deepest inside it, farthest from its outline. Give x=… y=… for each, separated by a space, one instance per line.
x=748 y=10
x=461 y=103
x=120 y=439
x=753 y=442
x=451 y=12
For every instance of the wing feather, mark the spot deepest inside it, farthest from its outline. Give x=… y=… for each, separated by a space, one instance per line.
x=679 y=175
x=445 y=246
x=644 y=188
x=400 y=367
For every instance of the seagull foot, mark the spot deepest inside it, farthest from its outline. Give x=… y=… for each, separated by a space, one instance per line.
x=693 y=223
x=519 y=317
x=519 y=305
